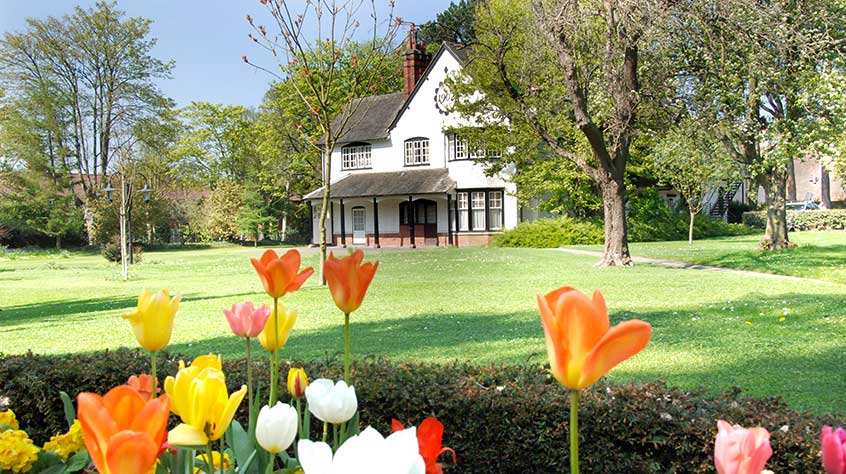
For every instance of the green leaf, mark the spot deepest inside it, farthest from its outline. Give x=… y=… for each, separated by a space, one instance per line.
x=242 y=445
x=70 y=412
x=78 y=462
x=46 y=461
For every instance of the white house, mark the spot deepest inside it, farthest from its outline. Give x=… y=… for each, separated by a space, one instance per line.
x=398 y=178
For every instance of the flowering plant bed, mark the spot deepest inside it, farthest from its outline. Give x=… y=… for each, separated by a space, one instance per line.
x=498 y=419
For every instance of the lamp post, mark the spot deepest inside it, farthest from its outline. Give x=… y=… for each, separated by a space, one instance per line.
x=125 y=215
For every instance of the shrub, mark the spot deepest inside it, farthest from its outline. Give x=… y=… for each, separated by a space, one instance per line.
x=498 y=419
x=834 y=219
x=550 y=233
x=111 y=251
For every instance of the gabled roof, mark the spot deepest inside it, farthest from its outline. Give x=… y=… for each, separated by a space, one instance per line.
x=370 y=119
x=458 y=51
x=374 y=117
x=394 y=183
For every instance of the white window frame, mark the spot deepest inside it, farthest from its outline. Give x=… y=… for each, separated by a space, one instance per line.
x=417 y=151
x=477 y=200
x=463 y=211
x=356 y=156
x=495 y=209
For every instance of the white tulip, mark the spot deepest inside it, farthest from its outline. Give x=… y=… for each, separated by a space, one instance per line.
x=276 y=427
x=332 y=403
x=366 y=453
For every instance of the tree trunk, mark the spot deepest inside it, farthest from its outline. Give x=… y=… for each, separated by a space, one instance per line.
x=690 y=231
x=791 y=181
x=825 y=188
x=776 y=235
x=616 y=230
x=326 y=163
x=58 y=242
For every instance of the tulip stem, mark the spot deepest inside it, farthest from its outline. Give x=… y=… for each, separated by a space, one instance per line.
x=249 y=379
x=325 y=431
x=347 y=348
x=574 y=432
x=209 y=449
x=155 y=394
x=274 y=362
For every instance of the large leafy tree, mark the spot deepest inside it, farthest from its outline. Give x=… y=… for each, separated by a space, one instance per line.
x=455 y=24
x=760 y=71
x=577 y=74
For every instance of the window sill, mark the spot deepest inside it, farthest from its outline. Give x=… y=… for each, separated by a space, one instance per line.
x=357 y=169
x=417 y=165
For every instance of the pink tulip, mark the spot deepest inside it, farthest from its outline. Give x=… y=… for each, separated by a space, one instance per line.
x=246 y=320
x=834 y=450
x=740 y=450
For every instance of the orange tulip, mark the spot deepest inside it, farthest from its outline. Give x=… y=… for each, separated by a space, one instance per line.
x=143 y=384
x=580 y=346
x=279 y=274
x=348 y=279
x=122 y=432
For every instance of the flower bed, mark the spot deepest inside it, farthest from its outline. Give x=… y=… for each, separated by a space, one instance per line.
x=498 y=419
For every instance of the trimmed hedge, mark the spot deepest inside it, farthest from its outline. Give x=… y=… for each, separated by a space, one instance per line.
x=551 y=233
x=507 y=419
x=833 y=219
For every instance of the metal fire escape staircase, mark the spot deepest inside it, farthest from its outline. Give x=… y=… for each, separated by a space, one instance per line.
x=720 y=198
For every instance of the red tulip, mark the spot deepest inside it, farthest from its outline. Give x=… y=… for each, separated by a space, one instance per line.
x=123 y=433
x=580 y=346
x=430 y=441
x=834 y=450
x=246 y=320
x=739 y=450
x=279 y=274
x=348 y=279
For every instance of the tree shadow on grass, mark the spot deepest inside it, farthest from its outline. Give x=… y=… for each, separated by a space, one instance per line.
x=710 y=347
x=52 y=310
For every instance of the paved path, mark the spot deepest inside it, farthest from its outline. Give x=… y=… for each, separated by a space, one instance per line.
x=696 y=266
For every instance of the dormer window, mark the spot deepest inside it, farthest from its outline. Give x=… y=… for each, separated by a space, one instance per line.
x=417 y=151
x=355 y=156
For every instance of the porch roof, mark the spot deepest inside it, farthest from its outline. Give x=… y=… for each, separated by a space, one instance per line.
x=395 y=183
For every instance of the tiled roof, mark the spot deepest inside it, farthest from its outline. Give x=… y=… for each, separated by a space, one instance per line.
x=371 y=117
x=395 y=183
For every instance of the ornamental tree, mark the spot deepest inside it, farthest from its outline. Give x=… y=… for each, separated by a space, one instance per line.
x=308 y=44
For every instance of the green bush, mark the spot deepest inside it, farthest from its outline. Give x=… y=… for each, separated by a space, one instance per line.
x=551 y=233
x=834 y=219
x=111 y=251
x=498 y=419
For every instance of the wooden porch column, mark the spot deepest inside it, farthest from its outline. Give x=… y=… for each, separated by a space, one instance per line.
x=411 y=221
x=449 y=221
x=343 y=225
x=311 y=221
x=376 y=221
x=332 y=219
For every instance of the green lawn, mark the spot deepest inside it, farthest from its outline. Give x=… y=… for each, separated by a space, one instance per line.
x=818 y=255
x=711 y=330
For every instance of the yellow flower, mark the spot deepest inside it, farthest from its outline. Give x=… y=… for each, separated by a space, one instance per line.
x=297 y=382
x=9 y=419
x=68 y=443
x=227 y=463
x=152 y=320
x=17 y=453
x=199 y=396
x=286 y=323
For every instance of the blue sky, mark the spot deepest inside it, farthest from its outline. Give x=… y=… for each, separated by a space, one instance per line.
x=205 y=39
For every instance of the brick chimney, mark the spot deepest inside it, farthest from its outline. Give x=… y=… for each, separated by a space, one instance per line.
x=415 y=60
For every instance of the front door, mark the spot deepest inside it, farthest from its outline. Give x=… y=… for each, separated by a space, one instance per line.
x=358 y=227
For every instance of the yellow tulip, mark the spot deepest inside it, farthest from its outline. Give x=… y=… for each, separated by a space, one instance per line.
x=199 y=396
x=152 y=320
x=297 y=382
x=286 y=322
